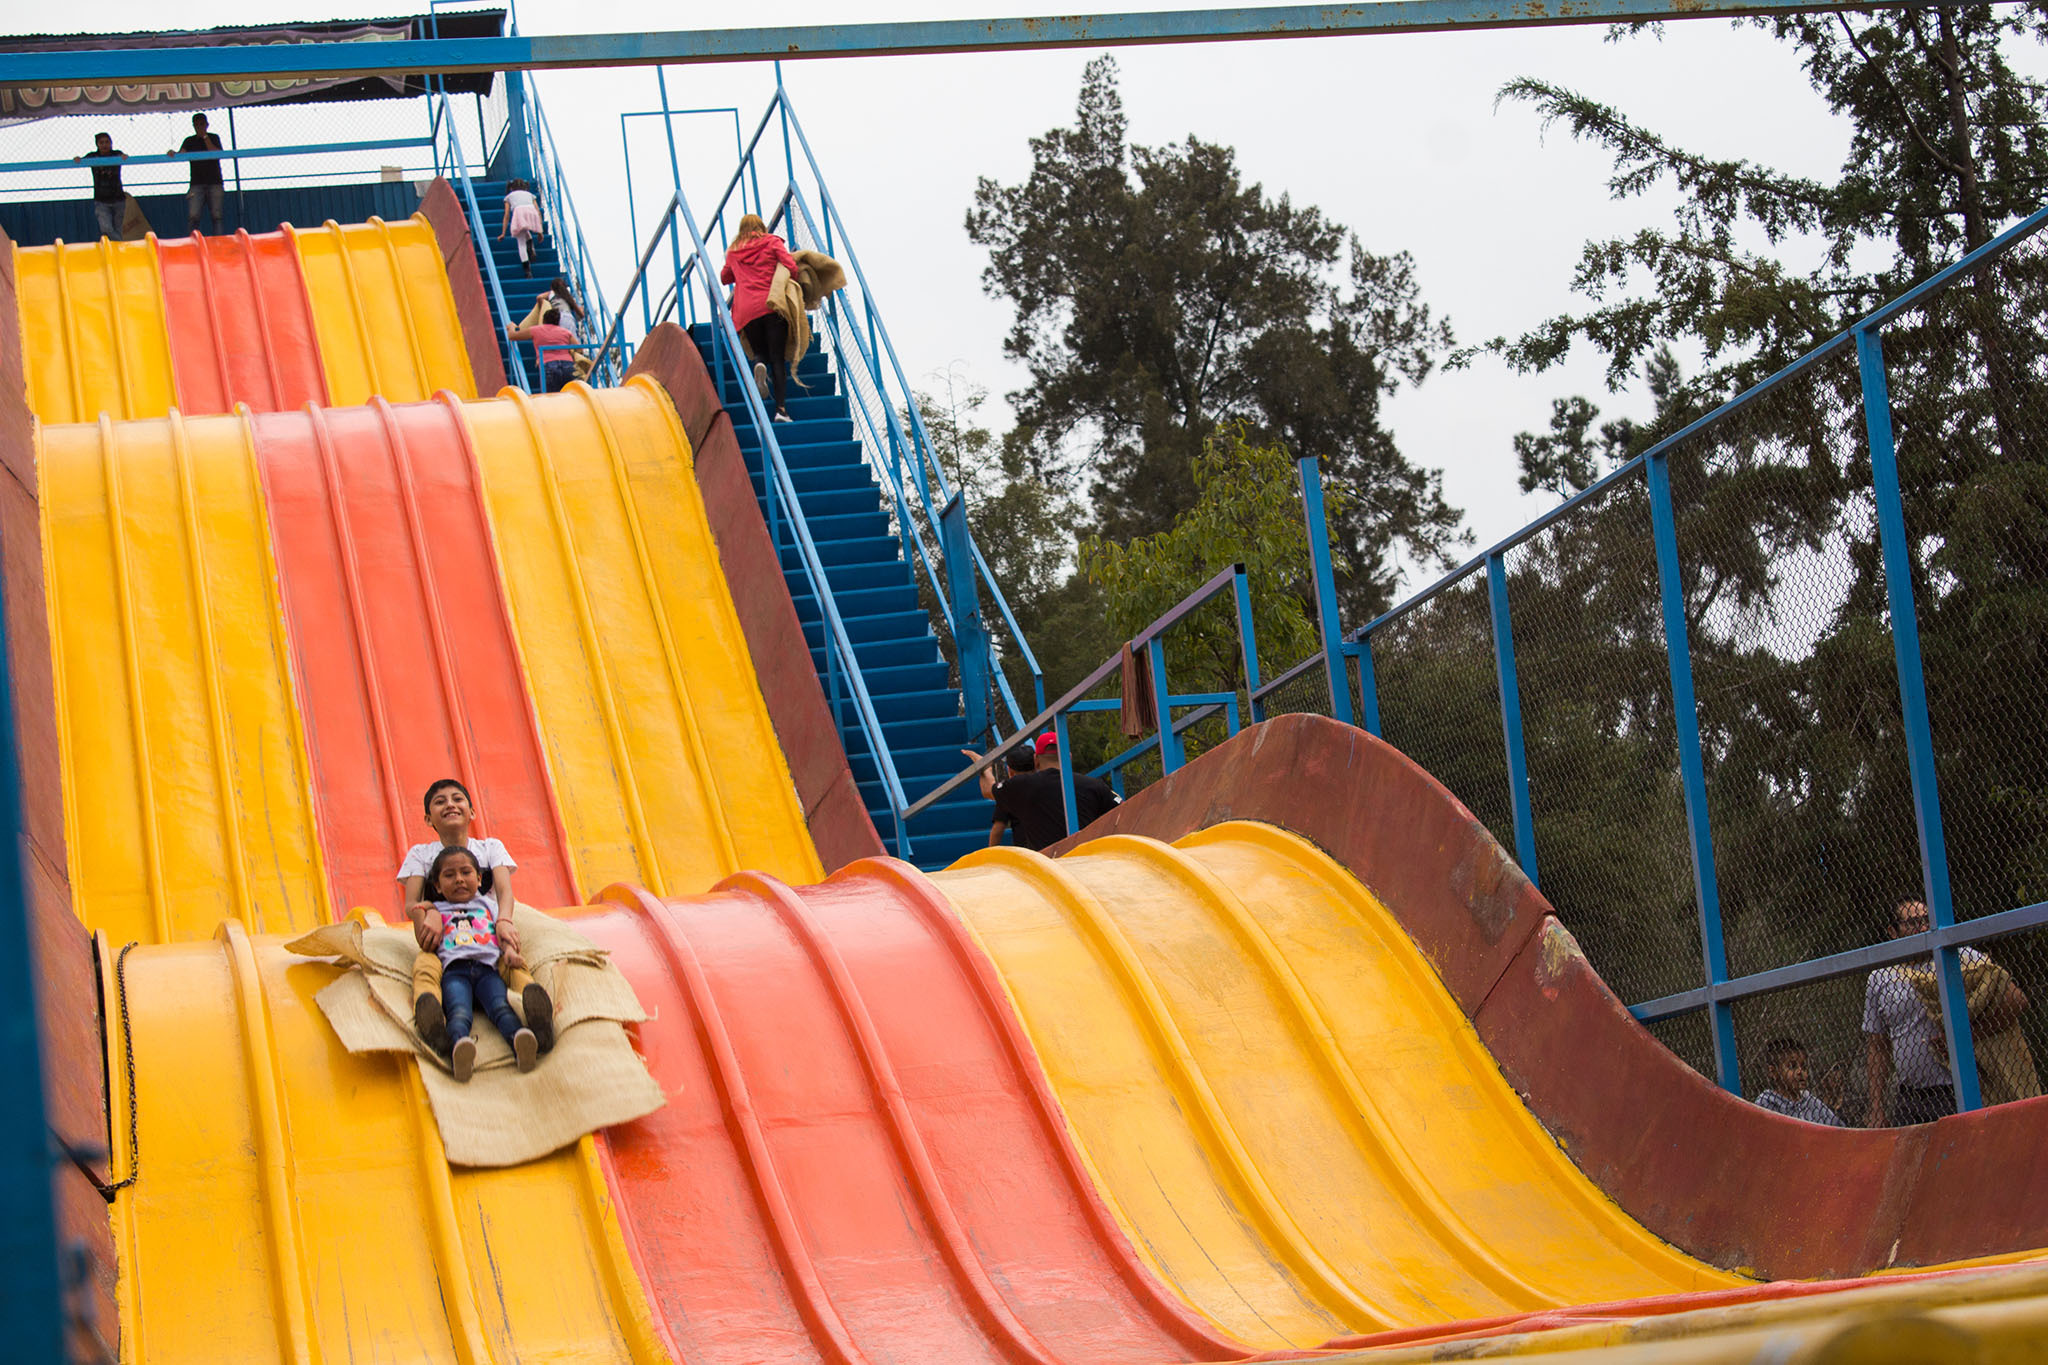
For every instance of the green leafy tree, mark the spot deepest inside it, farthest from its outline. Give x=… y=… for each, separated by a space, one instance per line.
x=1159 y=297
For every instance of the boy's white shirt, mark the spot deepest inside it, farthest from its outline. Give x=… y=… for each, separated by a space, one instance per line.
x=488 y=852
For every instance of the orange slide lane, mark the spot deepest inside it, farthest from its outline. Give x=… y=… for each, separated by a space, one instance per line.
x=851 y=1171
x=241 y=324
x=408 y=671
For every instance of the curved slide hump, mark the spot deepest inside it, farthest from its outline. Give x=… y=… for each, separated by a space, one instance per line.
x=295 y=1203
x=185 y=792
x=93 y=331
x=241 y=324
x=383 y=311
x=407 y=665
x=664 y=759
x=1286 y=1110
x=1714 y=1175
x=859 y=1160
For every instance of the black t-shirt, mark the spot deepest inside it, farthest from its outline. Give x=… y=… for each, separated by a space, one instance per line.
x=106 y=180
x=203 y=172
x=1037 y=809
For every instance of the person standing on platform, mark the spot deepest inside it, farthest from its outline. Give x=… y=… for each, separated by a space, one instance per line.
x=1034 y=803
x=208 y=189
x=109 y=200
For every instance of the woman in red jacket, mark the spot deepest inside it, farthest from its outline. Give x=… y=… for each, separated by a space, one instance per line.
x=750 y=267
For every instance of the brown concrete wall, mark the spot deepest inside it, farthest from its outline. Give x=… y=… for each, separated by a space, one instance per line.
x=1720 y=1178
x=753 y=574
x=67 y=986
x=444 y=213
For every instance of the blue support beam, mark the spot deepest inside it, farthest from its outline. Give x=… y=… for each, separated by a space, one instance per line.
x=1898 y=590
x=970 y=636
x=1692 y=770
x=684 y=47
x=1511 y=716
x=1368 y=685
x=1326 y=587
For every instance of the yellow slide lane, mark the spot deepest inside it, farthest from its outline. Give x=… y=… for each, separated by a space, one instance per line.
x=93 y=331
x=185 y=777
x=664 y=759
x=295 y=1203
x=383 y=311
x=1290 y=1116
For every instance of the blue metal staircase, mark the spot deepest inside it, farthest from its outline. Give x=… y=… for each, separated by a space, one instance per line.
x=918 y=705
x=520 y=292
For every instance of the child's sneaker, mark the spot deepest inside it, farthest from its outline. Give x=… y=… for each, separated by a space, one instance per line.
x=539 y=1009
x=463 y=1058
x=761 y=377
x=430 y=1022
x=526 y=1048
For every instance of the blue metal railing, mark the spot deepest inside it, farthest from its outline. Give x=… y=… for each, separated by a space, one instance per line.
x=1720 y=990
x=466 y=189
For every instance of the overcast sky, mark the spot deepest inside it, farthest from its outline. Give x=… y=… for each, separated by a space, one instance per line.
x=1396 y=137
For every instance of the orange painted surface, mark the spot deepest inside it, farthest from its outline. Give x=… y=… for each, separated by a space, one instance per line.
x=403 y=646
x=849 y=1169
x=241 y=324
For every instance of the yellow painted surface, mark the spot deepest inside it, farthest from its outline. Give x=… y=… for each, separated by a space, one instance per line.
x=383 y=311
x=1289 y=1115
x=664 y=759
x=93 y=331
x=295 y=1203
x=186 y=798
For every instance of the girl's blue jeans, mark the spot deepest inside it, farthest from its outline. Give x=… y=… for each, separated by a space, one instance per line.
x=468 y=985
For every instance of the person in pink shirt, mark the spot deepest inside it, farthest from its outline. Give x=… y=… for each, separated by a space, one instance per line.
x=750 y=268
x=557 y=367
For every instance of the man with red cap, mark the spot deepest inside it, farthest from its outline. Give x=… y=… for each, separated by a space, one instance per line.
x=1031 y=800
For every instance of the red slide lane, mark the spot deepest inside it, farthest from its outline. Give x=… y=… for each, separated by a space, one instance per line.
x=241 y=324
x=402 y=642
x=849 y=1171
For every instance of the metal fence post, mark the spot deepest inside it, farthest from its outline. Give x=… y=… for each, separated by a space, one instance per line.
x=1170 y=755
x=1326 y=587
x=1248 y=644
x=1692 y=770
x=1898 y=591
x=970 y=638
x=1072 y=803
x=1368 y=685
x=1511 y=715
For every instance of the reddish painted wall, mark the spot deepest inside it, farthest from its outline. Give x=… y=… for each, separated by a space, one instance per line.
x=753 y=573
x=1726 y=1181
x=445 y=214
x=67 y=989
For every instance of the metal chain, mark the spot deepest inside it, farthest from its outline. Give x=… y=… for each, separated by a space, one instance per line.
x=106 y=1190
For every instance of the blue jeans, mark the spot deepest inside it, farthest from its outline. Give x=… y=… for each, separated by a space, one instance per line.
x=466 y=985
x=109 y=217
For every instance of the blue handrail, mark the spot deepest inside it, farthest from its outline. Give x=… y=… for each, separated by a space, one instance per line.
x=482 y=240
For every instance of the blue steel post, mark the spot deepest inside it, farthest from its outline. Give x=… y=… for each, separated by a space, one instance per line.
x=970 y=637
x=515 y=131
x=1692 y=768
x=1171 y=755
x=1073 y=805
x=31 y=1293
x=1898 y=589
x=675 y=239
x=1248 y=644
x=1326 y=587
x=1511 y=715
x=1368 y=685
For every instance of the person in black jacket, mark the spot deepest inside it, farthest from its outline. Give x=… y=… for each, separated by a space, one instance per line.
x=207 y=189
x=109 y=200
x=1033 y=802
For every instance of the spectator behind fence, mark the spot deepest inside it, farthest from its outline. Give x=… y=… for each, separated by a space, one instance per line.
x=1786 y=1093
x=1021 y=760
x=522 y=219
x=750 y=268
x=1908 y=1044
x=109 y=200
x=557 y=368
x=558 y=295
x=1034 y=803
x=207 y=189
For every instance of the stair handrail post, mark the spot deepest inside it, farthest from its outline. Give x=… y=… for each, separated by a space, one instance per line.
x=970 y=638
x=483 y=252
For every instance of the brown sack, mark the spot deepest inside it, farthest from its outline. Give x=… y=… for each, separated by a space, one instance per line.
x=134 y=222
x=1139 y=712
